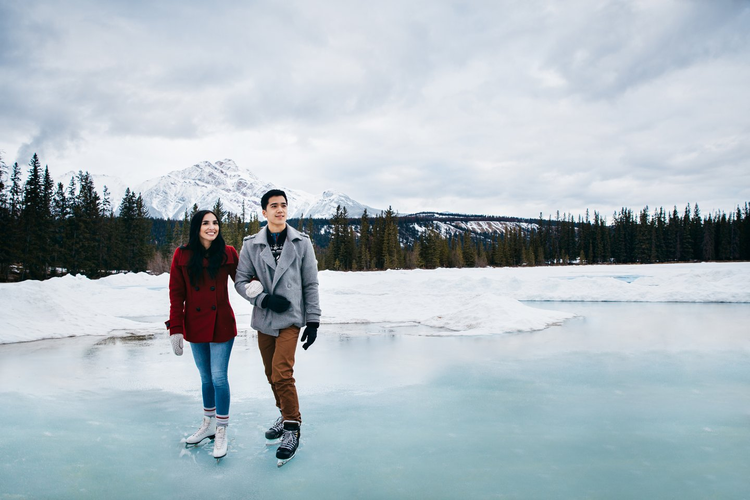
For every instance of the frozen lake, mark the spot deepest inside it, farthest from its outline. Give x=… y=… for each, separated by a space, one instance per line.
x=626 y=400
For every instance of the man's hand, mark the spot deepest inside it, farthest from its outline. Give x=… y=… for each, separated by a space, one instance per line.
x=276 y=303
x=310 y=334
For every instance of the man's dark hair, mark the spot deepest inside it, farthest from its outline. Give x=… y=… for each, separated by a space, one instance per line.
x=271 y=194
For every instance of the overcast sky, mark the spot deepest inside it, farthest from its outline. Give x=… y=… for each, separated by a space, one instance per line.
x=496 y=107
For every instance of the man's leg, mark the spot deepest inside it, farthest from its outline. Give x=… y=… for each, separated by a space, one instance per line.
x=267 y=346
x=282 y=373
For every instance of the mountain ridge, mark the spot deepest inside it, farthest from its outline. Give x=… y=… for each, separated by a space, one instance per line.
x=170 y=195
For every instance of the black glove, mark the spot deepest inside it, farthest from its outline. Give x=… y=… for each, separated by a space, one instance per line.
x=276 y=303
x=310 y=334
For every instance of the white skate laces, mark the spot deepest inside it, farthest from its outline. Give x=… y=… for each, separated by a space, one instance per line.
x=289 y=440
x=276 y=430
x=206 y=430
x=220 y=442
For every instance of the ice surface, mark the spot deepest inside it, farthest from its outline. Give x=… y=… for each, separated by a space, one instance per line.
x=623 y=401
x=614 y=382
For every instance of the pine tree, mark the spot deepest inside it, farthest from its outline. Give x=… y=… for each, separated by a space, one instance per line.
x=131 y=228
x=3 y=183
x=644 y=238
x=185 y=229
x=365 y=243
x=35 y=216
x=743 y=221
x=468 y=250
x=336 y=254
x=696 y=232
x=218 y=210
x=86 y=225
x=5 y=222
x=391 y=245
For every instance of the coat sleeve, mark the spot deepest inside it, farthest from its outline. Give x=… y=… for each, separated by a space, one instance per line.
x=245 y=273
x=310 y=282
x=233 y=264
x=177 y=296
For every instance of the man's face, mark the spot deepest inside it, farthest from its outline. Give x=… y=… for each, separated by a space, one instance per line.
x=275 y=211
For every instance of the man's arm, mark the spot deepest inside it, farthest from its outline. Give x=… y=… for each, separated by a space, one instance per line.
x=245 y=273
x=310 y=283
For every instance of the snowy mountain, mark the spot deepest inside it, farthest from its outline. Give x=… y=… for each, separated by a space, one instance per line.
x=203 y=183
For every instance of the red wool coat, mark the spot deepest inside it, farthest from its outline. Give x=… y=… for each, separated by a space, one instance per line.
x=201 y=313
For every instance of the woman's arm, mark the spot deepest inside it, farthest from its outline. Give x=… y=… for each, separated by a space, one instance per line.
x=177 y=296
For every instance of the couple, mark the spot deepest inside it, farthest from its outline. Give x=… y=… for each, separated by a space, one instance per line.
x=276 y=272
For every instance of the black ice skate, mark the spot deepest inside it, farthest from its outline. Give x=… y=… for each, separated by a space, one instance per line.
x=289 y=442
x=273 y=435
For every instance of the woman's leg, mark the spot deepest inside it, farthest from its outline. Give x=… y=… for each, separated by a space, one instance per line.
x=220 y=352
x=202 y=357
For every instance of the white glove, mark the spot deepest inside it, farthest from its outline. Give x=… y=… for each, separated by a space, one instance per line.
x=176 y=340
x=253 y=289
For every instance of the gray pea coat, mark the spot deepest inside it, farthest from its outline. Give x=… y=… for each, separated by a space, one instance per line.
x=295 y=278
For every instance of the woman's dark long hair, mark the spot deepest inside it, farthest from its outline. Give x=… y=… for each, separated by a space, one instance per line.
x=216 y=253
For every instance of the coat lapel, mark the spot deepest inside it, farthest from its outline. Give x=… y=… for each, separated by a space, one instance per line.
x=288 y=256
x=265 y=253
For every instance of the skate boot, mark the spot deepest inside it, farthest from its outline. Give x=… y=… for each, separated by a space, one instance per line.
x=289 y=442
x=276 y=431
x=220 y=442
x=206 y=430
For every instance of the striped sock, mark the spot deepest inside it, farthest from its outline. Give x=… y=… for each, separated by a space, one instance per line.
x=209 y=412
x=222 y=420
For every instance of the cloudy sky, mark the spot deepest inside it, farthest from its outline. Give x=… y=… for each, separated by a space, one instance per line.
x=499 y=107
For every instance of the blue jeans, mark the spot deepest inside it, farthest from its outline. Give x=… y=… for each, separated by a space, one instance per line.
x=212 y=360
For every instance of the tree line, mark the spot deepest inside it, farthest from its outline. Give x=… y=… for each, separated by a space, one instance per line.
x=51 y=229
x=647 y=238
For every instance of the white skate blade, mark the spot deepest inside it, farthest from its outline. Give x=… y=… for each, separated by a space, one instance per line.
x=192 y=445
x=273 y=442
x=281 y=461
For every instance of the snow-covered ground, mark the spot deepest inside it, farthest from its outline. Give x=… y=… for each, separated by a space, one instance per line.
x=450 y=301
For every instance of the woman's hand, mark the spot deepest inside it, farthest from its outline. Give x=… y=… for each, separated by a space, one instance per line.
x=253 y=289
x=176 y=340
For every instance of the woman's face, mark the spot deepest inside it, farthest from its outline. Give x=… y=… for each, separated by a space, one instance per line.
x=209 y=229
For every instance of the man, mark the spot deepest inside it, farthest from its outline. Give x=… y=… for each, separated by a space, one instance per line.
x=283 y=260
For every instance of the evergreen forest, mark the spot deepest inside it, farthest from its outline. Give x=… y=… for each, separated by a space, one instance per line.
x=51 y=229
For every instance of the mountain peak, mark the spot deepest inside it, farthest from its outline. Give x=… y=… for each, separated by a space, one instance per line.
x=203 y=183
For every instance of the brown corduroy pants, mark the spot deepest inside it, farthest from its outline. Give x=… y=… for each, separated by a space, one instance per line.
x=278 y=361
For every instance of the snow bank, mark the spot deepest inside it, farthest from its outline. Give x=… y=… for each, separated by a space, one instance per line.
x=453 y=301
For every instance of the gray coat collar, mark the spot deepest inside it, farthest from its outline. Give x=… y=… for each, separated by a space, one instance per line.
x=288 y=254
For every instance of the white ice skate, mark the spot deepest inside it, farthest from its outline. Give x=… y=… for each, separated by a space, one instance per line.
x=206 y=430
x=220 y=442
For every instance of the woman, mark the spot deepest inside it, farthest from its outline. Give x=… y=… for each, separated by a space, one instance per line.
x=201 y=314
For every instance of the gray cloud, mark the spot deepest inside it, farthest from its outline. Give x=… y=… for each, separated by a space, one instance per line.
x=518 y=107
